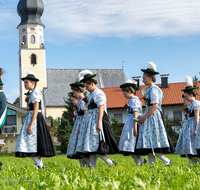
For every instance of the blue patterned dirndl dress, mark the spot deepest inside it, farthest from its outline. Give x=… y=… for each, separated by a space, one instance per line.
x=186 y=141
x=88 y=139
x=39 y=142
x=128 y=141
x=153 y=137
x=71 y=149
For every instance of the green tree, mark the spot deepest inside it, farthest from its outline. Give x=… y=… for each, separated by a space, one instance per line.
x=172 y=126
x=56 y=124
x=66 y=125
x=17 y=101
x=116 y=128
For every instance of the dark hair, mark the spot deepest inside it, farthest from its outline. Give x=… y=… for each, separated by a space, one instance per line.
x=77 y=88
x=191 y=92
x=129 y=88
x=152 y=76
x=92 y=80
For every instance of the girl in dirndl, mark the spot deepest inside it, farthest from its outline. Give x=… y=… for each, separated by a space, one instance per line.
x=95 y=123
x=128 y=139
x=80 y=110
x=34 y=139
x=153 y=139
x=186 y=141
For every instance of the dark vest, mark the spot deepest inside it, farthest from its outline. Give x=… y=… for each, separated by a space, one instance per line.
x=92 y=105
x=31 y=106
x=80 y=112
x=191 y=114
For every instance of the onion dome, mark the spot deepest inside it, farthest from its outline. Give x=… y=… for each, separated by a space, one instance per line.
x=30 y=11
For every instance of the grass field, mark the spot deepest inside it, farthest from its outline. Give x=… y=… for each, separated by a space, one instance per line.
x=63 y=173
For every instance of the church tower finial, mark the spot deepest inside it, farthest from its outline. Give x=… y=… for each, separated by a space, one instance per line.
x=30 y=11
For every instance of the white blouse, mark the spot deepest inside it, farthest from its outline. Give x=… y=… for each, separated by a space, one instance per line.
x=195 y=105
x=36 y=96
x=154 y=96
x=99 y=98
x=134 y=104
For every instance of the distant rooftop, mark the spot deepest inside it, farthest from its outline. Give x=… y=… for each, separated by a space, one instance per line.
x=172 y=95
x=58 y=81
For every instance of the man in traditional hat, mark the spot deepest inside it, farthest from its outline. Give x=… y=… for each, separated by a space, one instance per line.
x=3 y=106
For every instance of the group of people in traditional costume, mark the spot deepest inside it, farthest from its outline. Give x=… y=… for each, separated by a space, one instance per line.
x=142 y=134
x=188 y=144
x=91 y=137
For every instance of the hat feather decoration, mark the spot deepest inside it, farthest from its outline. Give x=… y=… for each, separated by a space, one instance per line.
x=1 y=72
x=152 y=65
x=83 y=73
x=31 y=73
x=130 y=81
x=189 y=80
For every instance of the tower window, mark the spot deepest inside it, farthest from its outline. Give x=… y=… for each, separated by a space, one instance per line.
x=32 y=39
x=33 y=59
x=40 y=39
x=24 y=39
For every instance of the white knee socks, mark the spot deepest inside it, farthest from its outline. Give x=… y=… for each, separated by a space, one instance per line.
x=151 y=159
x=93 y=160
x=137 y=159
x=106 y=159
x=84 y=162
x=38 y=161
x=163 y=158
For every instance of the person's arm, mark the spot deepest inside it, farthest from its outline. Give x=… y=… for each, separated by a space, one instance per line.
x=135 y=133
x=150 y=112
x=100 y=116
x=34 y=116
x=196 y=114
x=85 y=111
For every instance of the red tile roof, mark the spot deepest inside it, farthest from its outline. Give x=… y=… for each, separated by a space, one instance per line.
x=172 y=95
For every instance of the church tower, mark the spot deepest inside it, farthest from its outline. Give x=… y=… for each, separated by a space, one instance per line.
x=31 y=43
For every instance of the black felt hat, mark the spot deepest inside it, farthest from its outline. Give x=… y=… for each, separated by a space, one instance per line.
x=77 y=84
x=151 y=69
x=87 y=77
x=188 y=88
x=129 y=83
x=30 y=77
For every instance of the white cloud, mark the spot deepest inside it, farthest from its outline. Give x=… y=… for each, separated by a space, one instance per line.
x=75 y=19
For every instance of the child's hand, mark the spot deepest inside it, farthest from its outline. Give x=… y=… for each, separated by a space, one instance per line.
x=98 y=128
x=29 y=130
x=135 y=133
x=142 y=120
x=195 y=133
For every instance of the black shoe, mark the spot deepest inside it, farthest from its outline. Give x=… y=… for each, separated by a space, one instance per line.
x=170 y=163
x=144 y=162
x=1 y=168
x=114 y=163
x=44 y=166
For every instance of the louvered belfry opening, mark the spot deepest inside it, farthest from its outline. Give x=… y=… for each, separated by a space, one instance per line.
x=33 y=59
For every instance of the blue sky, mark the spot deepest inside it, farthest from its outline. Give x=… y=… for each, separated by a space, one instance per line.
x=104 y=33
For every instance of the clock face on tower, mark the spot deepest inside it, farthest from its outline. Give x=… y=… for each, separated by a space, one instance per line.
x=23 y=30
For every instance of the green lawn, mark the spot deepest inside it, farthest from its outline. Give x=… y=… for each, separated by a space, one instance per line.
x=63 y=173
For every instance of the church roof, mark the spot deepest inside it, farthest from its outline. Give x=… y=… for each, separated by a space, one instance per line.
x=30 y=11
x=58 y=81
